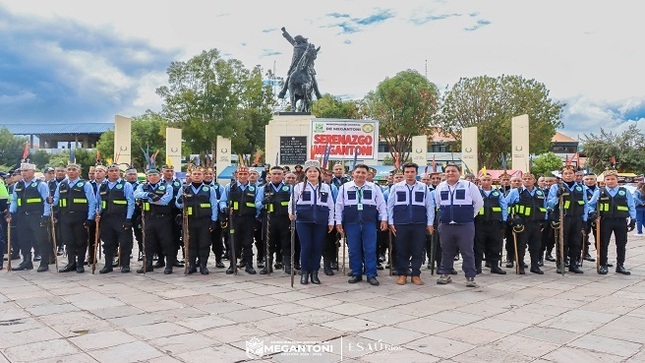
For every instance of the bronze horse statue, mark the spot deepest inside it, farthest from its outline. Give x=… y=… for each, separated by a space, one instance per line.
x=301 y=80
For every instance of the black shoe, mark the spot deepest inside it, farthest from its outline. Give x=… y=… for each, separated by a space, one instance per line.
x=260 y=264
x=68 y=268
x=278 y=266
x=521 y=271
x=230 y=270
x=509 y=264
x=334 y=265
x=178 y=264
x=373 y=281
x=328 y=270
x=454 y=272
x=80 y=269
x=610 y=265
x=379 y=266
x=146 y=269
x=192 y=270
x=497 y=270
x=602 y=270
x=589 y=258
x=219 y=264
x=59 y=251
x=24 y=266
x=249 y=269
x=314 y=278
x=159 y=263
x=167 y=270
x=350 y=274
x=42 y=268
x=37 y=257
x=106 y=269
x=304 y=278
x=622 y=270
x=115 y=262
x=264 y=271
x=536 y=270
x=575 y=269
x=549 y=257
x=541 y=262
x=287 y=269
x=125 y=269
x=558 y=270
x=203 y=270
x=354 y=279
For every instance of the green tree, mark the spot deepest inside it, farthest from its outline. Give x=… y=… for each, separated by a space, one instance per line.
x=405 y=106
x=255 y=114
x=490 y=104
x=607 y=148
x=40 y=158
x=209 y=96
x=148 y=132
x=11 y=147
x=333 y=107
x=545 y=164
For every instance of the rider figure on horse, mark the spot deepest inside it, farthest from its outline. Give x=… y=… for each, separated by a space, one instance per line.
x=300 y=45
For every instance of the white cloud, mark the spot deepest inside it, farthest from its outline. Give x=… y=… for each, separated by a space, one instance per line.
x=586 y=52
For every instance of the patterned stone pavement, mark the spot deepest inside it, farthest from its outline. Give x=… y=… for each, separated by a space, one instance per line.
x=50 y=317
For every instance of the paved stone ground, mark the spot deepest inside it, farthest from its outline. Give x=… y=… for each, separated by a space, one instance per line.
x=52 y=317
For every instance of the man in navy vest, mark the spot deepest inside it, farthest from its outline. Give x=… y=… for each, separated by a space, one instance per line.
x=459 y=201
x=613 y=204
x=115 y=199
x=410 y=210
x=29 y=204
x=359 y=206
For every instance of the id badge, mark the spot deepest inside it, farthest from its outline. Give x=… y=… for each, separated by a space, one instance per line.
x=359 y=206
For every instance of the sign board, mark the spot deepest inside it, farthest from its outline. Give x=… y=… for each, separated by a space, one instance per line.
x=345 y=139
x=293 y=150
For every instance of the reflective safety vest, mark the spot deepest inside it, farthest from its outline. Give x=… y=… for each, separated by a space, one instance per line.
x=531 y=207
x=199 y=205
x=613 y=207
x=29 y=199
x=492 y=210
x=113 y=201
x=574 y=201
x=72 y=199
x=151 y=208
x=311 y=205
x=280 y=204
x=242 y=201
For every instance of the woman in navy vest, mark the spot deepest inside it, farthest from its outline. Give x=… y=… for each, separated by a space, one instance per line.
x=312 y=207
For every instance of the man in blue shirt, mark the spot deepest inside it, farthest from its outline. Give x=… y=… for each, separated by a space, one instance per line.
x=613 y=205
x=29 y=203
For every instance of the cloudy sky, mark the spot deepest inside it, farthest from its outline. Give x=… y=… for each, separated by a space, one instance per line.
x=85 y=61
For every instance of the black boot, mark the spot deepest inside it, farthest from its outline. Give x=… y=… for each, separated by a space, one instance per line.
x=304 y=277
x=286 y=262
x=314 y=277
x=549 y=257
x=25 y=265
x=192 y=267
x=202 y=267
x=574 y=268
x=80 y=262
x=327 y=267
x=44 y=266
x=147 y=268
x=268 y=267
x=602 y=270
x=249 y=268
x=71 y=265
x=108 y=264
x=495 y=269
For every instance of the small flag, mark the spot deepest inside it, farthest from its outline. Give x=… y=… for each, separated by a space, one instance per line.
x=25 y=152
